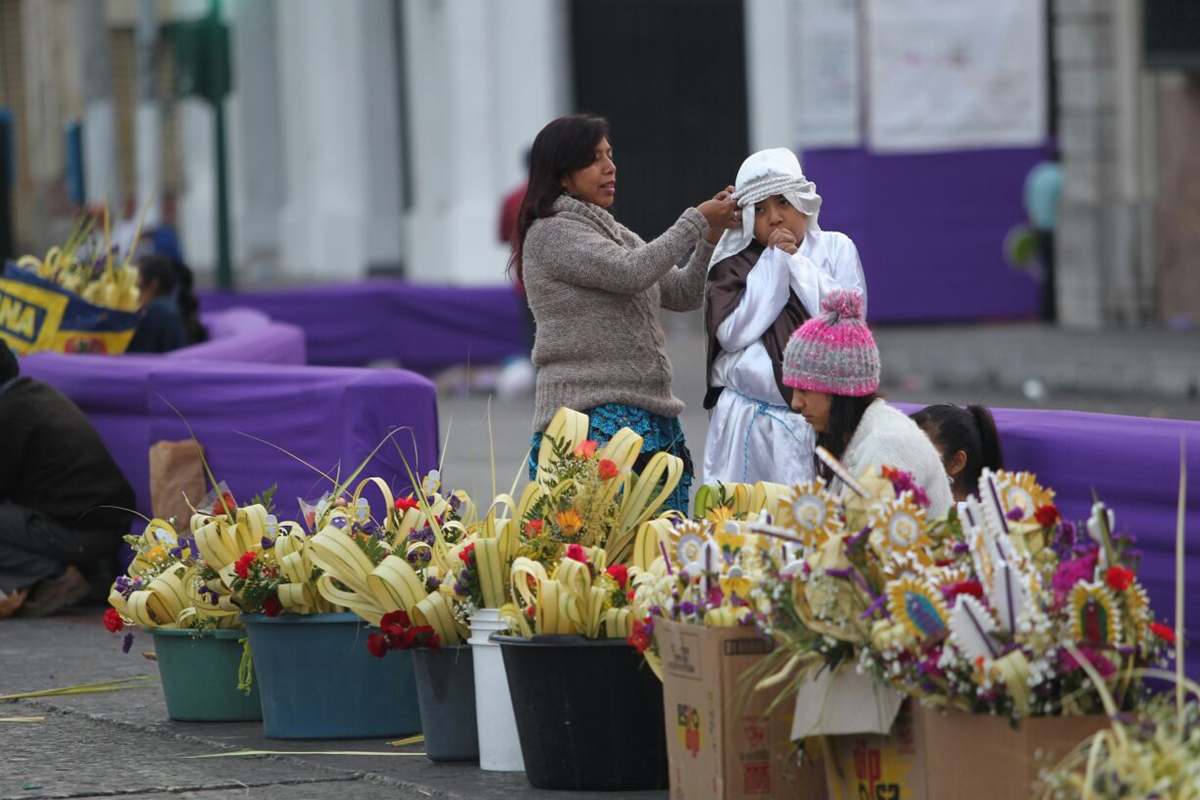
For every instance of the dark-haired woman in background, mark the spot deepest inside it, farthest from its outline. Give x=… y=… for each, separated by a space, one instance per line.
x=172 y=313
x=966 y=439
x=595 y=288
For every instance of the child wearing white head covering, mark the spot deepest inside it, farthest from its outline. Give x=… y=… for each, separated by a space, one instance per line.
x=756 y=296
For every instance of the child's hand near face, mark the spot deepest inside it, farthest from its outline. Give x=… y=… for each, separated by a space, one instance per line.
x=784 y=239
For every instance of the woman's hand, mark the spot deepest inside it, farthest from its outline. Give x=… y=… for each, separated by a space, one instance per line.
x=722 y=214
x=784 y=239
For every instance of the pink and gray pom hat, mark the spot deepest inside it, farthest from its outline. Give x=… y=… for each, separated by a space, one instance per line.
x=834 y=353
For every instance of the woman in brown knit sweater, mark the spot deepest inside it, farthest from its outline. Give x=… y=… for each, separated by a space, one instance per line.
x=595 y=289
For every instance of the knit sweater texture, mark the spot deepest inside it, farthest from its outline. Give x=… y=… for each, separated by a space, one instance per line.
x=595 y=289
x=887 y=437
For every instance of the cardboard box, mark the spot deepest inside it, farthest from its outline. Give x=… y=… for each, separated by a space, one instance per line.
x=720 y=744
x=931 y=755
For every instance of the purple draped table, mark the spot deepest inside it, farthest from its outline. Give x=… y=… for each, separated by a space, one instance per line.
x=330 y=417
x=425 y=328
x=1132 y=464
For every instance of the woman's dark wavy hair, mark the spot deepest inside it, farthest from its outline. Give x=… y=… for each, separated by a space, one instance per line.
x=972 y=430
x=565 y=145
x=845 y=413
x=175 y=279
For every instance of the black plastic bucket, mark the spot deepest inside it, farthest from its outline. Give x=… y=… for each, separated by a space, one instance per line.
x=589 y=713
x=446 y=694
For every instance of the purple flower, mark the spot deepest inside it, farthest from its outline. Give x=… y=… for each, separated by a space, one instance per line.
x=267 y=544
x=1068 y=662
x=338 y=522
x=424 y=535
x=715 y=596
x=459 y=590
x=1016 y=514
x=124 y=586
x=127 y=643
x=687 y=608
x=432 y=584
x=1071 y=572
x=656 y=611
x=961 y=547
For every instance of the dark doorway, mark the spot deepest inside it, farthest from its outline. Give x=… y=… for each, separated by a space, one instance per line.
x=671 y=77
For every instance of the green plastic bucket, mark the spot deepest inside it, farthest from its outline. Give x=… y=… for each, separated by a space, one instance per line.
x=199 y=672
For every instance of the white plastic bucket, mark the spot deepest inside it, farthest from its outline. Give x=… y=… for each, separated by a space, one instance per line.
x=499 y=744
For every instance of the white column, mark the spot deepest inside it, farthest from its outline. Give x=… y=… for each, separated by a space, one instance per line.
x=254 y=135
x=340 y=137
x=770 y=72
x=196 y=209
x=147 y=138
x=483 y=78
x=102 y=174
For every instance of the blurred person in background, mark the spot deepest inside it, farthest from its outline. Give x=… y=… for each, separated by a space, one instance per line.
x=1043 y=187
x=767 y=278
x=517 y=375
x=171 y=312
x=967 y=441
x=596 y=287
x=62 y=497
x=832 y=363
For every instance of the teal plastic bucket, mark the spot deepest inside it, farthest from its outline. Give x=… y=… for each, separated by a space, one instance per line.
x=199 y=672
x=318 y=681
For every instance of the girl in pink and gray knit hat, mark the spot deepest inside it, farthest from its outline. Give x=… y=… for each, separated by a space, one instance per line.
x=832 y=365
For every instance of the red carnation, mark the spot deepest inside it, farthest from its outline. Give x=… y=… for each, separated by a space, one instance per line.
x=620 y=574
x=403 y=504
x=394 y=622
x=1046 y=516
x=433 y=642
x=1119 y=578
x=640 y=638
x=608 y=469
x=586 y=449
x=1164 y=632
x=577 y=553
x=533 y=527
x=113 y=621
x=530 y=612
x=272 y=607
x=377 y=643
x=973 y=588
x=242 y=566
x=466 y=552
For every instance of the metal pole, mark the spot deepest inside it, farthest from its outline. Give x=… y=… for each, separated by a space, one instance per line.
x=217 y=66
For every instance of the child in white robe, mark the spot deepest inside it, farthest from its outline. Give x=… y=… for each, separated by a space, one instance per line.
x=765 y=280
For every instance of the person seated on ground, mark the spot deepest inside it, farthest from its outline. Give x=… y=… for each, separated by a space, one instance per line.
x=172 y=314
x=61 y=496
x=832 y=364
x=967 y=441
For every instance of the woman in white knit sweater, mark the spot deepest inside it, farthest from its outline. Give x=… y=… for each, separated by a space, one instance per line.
x=832 y=364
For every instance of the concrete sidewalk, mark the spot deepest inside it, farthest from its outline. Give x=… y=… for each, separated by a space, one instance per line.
x=121 y=743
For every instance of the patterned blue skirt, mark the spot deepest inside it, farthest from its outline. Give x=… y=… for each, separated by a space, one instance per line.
x=659 y=434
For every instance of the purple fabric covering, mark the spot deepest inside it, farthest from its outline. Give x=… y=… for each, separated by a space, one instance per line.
x=245 y=335
x=930 y=229
x=425 y=328
x=322 y=415
x=1132 y=463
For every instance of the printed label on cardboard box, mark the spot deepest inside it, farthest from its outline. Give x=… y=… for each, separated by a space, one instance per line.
x=756 y=778
x=688 y=728
x=682 y=656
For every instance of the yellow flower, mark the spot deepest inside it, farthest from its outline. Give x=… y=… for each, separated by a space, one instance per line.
x=569 y=521
x=719 y=515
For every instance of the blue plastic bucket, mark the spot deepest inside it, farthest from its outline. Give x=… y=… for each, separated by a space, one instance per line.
x=199 y=671
x=318 y=681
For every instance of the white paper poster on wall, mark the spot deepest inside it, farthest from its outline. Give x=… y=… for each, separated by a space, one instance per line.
x=825 y=34
x=955 y=74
